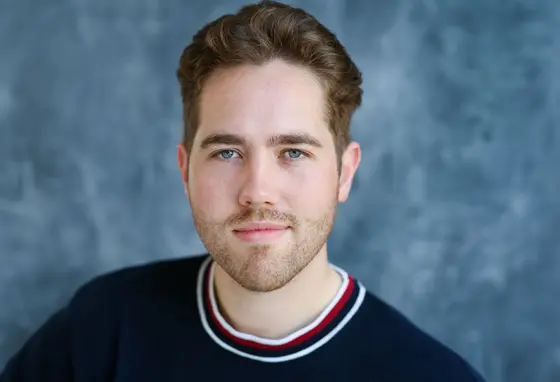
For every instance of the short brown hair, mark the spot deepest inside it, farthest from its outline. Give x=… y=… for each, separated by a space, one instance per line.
x=261 y=32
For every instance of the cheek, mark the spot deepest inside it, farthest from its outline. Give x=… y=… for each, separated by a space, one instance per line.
x=314 y=190
x=211 y=193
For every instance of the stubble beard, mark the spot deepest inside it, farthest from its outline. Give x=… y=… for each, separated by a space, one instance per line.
x=265 y=267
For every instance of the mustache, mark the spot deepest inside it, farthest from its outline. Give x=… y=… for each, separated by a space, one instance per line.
x=251 y=214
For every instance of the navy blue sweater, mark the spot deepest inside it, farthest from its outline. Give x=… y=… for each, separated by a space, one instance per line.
x=160 y=322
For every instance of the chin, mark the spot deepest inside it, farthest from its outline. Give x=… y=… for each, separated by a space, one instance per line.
x=258 y=268
x=267 y=271
x=263 y=283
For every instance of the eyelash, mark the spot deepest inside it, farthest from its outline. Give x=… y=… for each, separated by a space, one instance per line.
x=216 y=154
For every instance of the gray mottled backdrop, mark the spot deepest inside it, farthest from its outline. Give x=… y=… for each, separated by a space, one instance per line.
x=454 y=217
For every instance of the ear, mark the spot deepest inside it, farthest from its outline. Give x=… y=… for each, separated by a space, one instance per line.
x=349 y=164
x=183 y=162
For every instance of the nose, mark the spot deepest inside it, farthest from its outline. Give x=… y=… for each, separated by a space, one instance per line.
x=258 y=187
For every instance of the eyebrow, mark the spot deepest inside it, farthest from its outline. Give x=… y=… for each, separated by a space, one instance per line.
x=275 y=140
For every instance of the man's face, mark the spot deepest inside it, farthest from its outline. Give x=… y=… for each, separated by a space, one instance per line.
x=262 y=177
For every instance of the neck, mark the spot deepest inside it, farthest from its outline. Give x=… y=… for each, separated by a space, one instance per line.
x=279 y=313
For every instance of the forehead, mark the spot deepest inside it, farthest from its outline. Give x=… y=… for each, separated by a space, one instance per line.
x=259 y=101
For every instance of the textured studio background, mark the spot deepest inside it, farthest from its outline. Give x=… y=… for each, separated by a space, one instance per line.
x=454 y=216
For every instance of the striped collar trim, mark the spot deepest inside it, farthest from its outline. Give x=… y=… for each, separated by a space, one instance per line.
x=300 y=343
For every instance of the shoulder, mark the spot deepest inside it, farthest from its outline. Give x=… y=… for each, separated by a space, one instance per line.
x=412 y=352
x=142 y=280
x=83 y=336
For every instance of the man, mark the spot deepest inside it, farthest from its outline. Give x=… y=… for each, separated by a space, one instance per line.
x=268 y=96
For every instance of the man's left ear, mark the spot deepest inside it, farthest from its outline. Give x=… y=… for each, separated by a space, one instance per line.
x=349 y=164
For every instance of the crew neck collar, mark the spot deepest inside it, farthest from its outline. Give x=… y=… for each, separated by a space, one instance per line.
x=298 y=344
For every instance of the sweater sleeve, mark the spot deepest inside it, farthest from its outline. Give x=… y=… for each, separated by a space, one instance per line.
x=46 y=356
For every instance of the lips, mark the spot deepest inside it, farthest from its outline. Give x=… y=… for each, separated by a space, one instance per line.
x=260 y=232
x=260 y=226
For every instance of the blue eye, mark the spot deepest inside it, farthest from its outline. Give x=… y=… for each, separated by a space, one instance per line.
x=226 y=154
x=294 y=153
